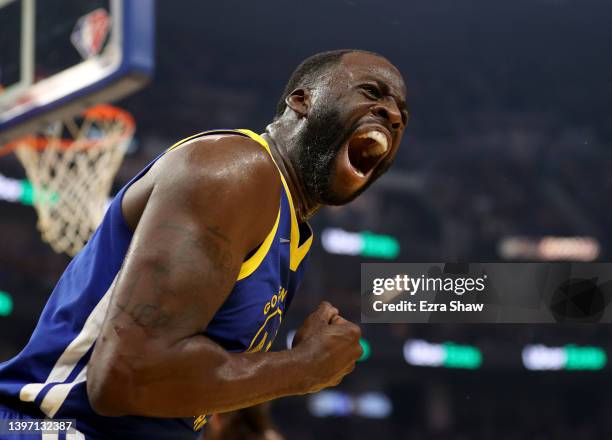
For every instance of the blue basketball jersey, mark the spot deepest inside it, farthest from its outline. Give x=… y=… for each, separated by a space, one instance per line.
x=47 y=379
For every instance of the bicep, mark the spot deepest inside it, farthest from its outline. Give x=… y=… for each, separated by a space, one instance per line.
x=174 y=278
x=200 y=220
x=184 y=258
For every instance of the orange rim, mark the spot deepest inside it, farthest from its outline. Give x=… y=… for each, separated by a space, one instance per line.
x=102 y=112
x=108 y=112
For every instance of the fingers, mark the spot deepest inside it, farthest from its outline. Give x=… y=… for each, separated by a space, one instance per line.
x=326 y=312
x=359 y=352
x=354 y=329
x=339 y=320
x=349 y=369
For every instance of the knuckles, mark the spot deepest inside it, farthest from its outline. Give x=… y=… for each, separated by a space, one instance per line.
x=325 y=307
x=359 y=352
x=354 y=331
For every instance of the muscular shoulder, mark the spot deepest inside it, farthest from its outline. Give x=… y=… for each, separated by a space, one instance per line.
x=230 y=160
x=228 y=178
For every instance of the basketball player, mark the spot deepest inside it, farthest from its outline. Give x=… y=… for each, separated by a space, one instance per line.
x=168 y=312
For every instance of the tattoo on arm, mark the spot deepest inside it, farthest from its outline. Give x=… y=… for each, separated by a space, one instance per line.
x=187 y=247
x=149 y=316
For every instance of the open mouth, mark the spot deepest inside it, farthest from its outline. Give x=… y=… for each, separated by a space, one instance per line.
x=366 y=149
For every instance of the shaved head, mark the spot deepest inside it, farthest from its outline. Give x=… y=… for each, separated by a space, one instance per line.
x=310 y=71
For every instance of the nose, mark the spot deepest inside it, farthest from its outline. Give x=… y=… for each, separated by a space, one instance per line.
x=390 y=112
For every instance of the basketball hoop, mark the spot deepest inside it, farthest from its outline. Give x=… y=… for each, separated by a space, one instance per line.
x=72 y=164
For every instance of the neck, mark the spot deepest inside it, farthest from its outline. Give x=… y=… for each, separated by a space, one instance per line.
x=283 y=148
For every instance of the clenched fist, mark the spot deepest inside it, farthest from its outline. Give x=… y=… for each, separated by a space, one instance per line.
x=329 y=346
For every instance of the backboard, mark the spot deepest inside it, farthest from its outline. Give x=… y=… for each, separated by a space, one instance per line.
x=58 y=58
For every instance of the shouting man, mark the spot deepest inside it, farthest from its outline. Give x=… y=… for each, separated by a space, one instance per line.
x=168 y=312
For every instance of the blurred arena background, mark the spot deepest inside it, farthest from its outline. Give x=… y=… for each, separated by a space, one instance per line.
x=507 y=157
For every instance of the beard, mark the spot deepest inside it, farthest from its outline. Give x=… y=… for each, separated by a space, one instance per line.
x=318 y=146
x=319 y=143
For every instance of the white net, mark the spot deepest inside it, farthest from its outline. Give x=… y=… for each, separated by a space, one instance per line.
x=71 y=167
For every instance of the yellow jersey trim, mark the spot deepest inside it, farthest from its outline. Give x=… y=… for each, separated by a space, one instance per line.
x=296 y=252
x=251 y=265
x=199 y=422
x=187 y=139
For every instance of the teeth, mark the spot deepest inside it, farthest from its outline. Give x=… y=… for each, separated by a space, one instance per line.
x=379 y=147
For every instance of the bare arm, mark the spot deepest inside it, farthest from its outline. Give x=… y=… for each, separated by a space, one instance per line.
x=209 y=206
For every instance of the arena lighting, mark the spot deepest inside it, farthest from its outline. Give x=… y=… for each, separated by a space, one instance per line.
x=290 y=336
x=447 y=355
x=550 y=248
x=367 y=350
x=570 y=357
x=331 y=403
x=6 y=303
x=365 y=244
x=373 y=405
x=22 y=191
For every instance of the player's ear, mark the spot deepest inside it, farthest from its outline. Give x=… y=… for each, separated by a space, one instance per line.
x=299 y=101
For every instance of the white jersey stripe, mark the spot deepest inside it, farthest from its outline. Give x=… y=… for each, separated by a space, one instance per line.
x=76 y=435
x=72 y=354
x=58 y=393
x=29 y=392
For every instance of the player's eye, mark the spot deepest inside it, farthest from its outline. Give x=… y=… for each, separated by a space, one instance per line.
x=371 y=91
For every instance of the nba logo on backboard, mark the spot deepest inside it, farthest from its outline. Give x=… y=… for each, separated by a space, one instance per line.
x=90 y=33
